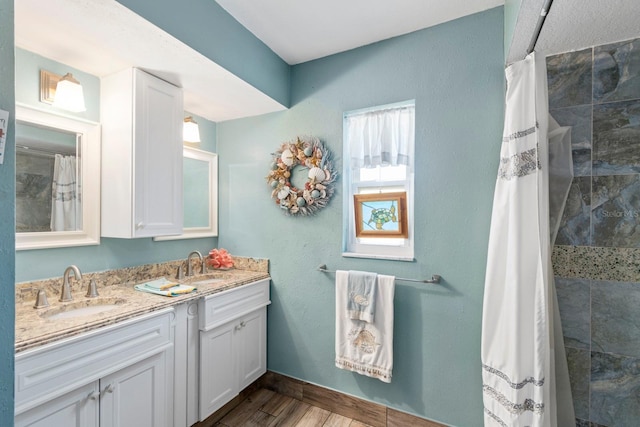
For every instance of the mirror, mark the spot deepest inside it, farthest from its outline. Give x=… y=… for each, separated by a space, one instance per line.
x=200 y=195
x=57 y=180
x=41 y=153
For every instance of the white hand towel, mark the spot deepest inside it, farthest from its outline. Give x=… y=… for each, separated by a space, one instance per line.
x=366 y=348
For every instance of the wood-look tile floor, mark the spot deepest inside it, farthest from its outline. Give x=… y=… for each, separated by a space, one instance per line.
x=267 y=408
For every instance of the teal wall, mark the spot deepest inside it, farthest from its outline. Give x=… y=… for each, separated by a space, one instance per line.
x=111 y=253
x=7 y=216
x=455 y=74
x=511 y=11
x=208 y=28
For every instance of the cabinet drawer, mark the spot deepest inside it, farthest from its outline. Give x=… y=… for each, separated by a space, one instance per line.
x=219 y=308
x=54 y=369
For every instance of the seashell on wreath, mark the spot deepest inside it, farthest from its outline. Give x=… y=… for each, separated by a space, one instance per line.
x=308 y=152
x=287 y=157
x=317 y=174
x=283 y=193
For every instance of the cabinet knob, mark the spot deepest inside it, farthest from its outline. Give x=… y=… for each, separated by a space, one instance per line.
x=139 y=225
x=240 y=326
x=107 y=389
x=93 y=395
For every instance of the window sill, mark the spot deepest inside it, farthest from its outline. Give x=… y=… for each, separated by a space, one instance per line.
x=377 y=256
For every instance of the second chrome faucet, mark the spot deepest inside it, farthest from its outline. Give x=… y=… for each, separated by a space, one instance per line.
x=190 y=268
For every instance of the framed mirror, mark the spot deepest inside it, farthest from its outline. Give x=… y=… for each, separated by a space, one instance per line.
x=200 y=195
x=57 y=180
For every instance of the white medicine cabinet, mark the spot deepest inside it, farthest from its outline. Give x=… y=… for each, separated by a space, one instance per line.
x=142 y=174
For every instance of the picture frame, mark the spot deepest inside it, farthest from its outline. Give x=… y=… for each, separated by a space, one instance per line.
x=381 y=215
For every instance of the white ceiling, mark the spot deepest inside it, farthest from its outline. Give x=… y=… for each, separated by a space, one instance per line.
x=101 y=37
x=302 y=30
x=574 y=25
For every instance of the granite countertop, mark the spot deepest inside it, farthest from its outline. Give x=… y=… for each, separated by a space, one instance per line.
x=34 y=329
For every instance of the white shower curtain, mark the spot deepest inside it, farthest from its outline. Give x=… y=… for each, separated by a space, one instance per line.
x=64 y=199
x=522 y=344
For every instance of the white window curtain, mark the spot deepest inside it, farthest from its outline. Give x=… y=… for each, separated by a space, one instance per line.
x=64 y=201
x=382 y=137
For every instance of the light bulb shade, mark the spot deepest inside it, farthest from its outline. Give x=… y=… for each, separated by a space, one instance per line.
x=69 y=95
x=190 y=130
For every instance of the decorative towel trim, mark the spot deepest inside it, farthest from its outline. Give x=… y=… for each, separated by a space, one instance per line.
x=368 y=370
x=363 y=339
x=495 y=417
x=519 y=165
x=514 y=408
x=520 y=134
x=505 y=377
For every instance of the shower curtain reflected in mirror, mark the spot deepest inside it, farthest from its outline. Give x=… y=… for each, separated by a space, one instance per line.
x=64 y=197
x=524 y=369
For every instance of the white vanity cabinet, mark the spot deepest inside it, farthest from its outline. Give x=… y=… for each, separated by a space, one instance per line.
x=120 y=375
x=79 y=407
x=142 y=119
x=136 y=395
x=232 y=343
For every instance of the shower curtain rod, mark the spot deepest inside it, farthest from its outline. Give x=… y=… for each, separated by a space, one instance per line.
x=536 y=33
x=434 y=279
x=25 y=149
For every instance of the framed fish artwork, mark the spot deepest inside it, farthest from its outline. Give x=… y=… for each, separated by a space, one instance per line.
x=381 y=215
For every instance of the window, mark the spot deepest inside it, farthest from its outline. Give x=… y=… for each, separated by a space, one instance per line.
x=379 y=158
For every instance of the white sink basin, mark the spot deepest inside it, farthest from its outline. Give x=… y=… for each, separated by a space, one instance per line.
x=84 y=311
x=82 y=308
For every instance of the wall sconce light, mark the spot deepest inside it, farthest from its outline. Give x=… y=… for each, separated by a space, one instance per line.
x=61 y=91
x=190 y=130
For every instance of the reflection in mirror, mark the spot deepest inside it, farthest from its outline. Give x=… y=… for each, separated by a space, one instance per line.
x=48 y=194
x=57 y=180
x=200 y=192
x=196 y=201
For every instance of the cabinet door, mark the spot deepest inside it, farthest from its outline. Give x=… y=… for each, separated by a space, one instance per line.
x=136 y=395
x=218 y=377
x=158 y=120
x=251 y=347
x=78 y=408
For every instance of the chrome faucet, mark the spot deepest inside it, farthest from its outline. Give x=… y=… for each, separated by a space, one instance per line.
x=65 y=293
x=189 y=268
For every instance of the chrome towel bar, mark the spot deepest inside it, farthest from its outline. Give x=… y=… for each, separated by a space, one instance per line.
x=435 y=279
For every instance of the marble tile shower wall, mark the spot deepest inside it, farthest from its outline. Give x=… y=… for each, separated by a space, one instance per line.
x=596 y=260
